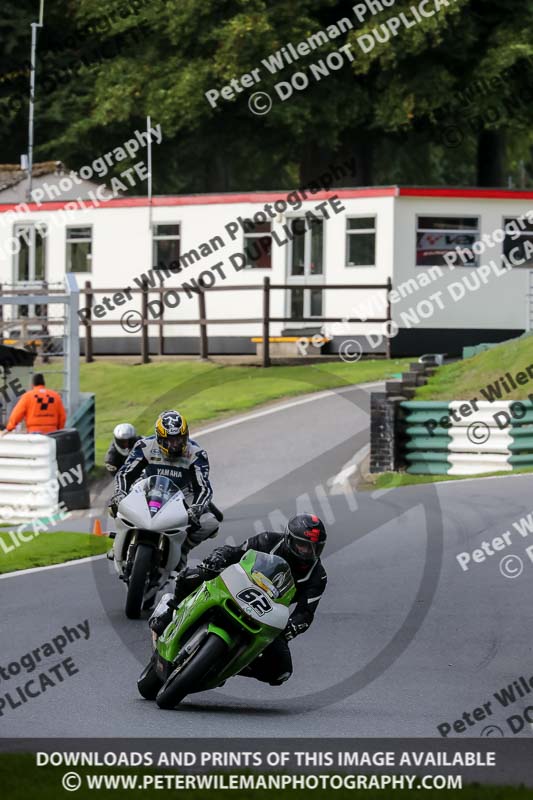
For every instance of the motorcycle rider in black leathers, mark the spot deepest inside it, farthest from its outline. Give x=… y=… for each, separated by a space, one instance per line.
x=124 y=438
x=301 y=546
x=172 y=453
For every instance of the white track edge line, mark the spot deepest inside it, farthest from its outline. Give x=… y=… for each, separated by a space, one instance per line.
x=30 y=571
x=285 y=406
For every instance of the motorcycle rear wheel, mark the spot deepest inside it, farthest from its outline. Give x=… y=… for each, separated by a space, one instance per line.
x=189 y=678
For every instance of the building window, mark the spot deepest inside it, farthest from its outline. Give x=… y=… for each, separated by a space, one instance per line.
x=516 y=236
x=361 y=241
x=315 y=302
x=30 y=254
x=305 y=303
x=258 y=245
x=79 y=249
x=297 y=303
x=29 y=262
x=166 y=249
x=437 y=236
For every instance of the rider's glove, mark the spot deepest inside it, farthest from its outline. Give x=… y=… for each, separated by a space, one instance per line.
x=215 y=562
x=294 y=629
x=194 y=512
x=114 y=502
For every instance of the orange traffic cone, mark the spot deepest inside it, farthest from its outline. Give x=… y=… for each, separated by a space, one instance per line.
x=97 y=528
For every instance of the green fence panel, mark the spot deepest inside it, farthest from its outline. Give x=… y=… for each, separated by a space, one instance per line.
x=84 y=419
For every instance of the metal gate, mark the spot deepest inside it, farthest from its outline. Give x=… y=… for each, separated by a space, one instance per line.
x=43 y=318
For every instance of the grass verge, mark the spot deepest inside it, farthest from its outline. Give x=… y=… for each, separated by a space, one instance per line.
x=464 y=380
x=48 y=548
x=393 y=480
x=138 y=393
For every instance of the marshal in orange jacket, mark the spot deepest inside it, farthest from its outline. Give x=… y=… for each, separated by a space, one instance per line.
x=41 y=408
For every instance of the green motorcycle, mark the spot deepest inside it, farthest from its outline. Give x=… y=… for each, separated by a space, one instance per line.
x=219 y=629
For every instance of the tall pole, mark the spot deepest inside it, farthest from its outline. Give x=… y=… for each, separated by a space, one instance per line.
x=34 y=26
x=149 y=149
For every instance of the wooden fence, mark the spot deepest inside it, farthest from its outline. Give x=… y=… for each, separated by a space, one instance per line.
x=266 y=319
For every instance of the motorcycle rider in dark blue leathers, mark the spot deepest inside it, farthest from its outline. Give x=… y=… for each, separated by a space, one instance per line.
x=172 y=453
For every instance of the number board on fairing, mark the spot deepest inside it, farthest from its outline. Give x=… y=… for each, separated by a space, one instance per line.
x=256 y=599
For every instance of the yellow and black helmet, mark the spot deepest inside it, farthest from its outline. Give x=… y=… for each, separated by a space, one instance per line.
x=172 y=434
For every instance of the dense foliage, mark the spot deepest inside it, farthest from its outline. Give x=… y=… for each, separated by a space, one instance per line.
x=447 y=100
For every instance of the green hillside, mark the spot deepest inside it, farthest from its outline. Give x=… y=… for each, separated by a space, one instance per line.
x=138 y=393
x=464 y=380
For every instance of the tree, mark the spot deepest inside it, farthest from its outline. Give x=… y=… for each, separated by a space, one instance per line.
x=436 y=103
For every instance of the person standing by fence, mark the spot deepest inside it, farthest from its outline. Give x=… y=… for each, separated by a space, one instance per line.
x=40 y=408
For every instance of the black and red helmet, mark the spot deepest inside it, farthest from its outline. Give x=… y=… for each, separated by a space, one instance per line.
x=305 y=537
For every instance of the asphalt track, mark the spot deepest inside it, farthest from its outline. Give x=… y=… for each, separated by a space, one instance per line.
x=404 y=640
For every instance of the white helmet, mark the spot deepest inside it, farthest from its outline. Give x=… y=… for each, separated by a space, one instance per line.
x=125 y=437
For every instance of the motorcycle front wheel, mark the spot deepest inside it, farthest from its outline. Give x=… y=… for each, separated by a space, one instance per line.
x=137 y=582
x=193 y=672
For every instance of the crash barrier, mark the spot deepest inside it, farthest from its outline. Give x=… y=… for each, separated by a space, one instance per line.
x=28 y=484
x=74 y=485
x=462 y=438
x=83 y=420
x=469 y=352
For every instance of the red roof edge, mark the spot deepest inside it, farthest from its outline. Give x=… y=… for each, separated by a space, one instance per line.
x=208 y=199
x=488 y=194
x=271 y=196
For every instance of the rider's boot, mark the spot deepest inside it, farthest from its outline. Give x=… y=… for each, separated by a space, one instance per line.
x=159 y=621
x=186 y=548
x=186 y=582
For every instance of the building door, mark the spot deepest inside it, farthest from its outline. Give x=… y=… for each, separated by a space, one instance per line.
x=305 y=271
x=29 y=269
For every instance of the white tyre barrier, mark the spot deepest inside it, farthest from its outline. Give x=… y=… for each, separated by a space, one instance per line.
x=29 y=488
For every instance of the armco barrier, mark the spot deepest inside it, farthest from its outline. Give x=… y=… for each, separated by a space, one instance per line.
x=452 y=438
x=28 y=477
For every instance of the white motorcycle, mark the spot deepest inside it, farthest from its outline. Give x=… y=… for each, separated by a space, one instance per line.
x=152 y=525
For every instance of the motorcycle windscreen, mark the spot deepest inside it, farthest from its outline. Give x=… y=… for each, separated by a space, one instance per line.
x=155 y=503
x=158 y=490
x=164 y=499
x=272 y=574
